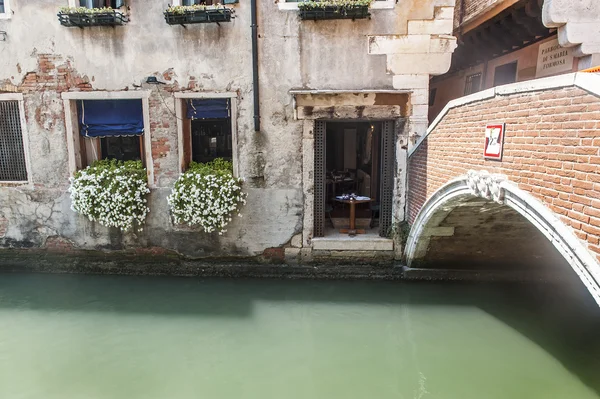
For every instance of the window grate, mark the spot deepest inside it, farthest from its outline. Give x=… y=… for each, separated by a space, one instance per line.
x=12 y=152
x=472 y=84
x=319 y=178
x=388 y=162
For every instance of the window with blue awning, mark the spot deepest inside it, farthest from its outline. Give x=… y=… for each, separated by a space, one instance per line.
x=208 y=108
x=110 y=118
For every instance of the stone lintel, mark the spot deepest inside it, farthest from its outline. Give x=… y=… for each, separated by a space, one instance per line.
x=352 y=112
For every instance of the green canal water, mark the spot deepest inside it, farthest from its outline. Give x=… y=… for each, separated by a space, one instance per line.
x=92 y=337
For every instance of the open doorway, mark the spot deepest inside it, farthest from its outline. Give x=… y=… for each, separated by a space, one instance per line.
x=352 y=178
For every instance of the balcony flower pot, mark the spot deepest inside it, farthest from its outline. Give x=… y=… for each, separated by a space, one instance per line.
x=197 y=14
x=334 y=9
x=81 y=17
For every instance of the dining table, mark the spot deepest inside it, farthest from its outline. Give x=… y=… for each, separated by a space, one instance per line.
x=352 y=201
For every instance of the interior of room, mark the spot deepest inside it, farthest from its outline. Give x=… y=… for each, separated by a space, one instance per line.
x=352 y=167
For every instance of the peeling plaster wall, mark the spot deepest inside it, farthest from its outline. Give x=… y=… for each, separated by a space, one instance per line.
x=42 y=59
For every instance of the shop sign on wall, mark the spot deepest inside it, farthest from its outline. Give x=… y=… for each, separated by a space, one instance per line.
x=553 y=59
x=494 y=141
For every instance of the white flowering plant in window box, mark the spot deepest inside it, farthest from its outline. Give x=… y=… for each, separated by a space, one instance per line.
x=112 y=193
x=207 y=195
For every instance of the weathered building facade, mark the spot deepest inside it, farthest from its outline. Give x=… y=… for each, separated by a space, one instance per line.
x=312 y=75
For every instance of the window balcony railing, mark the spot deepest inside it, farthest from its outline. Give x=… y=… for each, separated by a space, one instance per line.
x=334 y=9
x=197 y=14
x=81 y=17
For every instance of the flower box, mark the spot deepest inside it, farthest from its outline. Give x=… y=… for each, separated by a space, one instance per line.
x=311 y=10
x=82 y=19
x=198 y=16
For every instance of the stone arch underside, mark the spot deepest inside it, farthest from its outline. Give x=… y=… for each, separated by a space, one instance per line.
x=484 y=222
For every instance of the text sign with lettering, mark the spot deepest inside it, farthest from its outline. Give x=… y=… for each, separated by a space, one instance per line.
x=494 y=141
x=553 y=59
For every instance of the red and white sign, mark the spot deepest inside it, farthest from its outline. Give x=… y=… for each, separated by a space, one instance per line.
x=494 y=141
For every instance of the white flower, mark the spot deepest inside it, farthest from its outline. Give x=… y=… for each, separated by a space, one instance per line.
x=111 y=193
x=206 y=197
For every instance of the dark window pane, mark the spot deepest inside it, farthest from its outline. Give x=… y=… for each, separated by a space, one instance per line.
x=1 y=6
x=211 y=139
x=432 y=94
x=121 y=148
x=505 y=74
x=101 y=3
x=192 y=2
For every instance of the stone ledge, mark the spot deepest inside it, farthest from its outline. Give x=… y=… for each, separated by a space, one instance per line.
x=538 y=276
x=17 y=261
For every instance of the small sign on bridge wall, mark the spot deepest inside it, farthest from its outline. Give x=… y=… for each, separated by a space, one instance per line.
x=494 y=141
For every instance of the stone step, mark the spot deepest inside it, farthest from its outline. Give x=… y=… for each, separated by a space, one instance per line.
x=357 y=243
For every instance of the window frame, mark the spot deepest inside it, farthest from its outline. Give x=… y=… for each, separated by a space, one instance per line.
x=180 y=99
x=25 y=137
x=7 y=14
x=468 y=79
x=72 y=125
x=375 y=5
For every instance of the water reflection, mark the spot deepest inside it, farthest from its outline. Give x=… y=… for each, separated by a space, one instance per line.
x=66 y=336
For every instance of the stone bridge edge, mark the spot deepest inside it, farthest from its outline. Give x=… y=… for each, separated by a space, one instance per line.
x=585 y=81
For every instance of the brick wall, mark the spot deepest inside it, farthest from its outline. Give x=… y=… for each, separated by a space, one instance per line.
x=163 y=125
x=56 y=74
x=551 y=150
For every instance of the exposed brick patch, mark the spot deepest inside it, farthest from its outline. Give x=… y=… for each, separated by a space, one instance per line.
x=56 y=74
x=160 y=148
x=163 y=125
x=58 y=244
x=549 y=151
x=151 y=251
x=274 y=254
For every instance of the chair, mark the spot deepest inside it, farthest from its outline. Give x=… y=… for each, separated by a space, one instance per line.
x=374 y=211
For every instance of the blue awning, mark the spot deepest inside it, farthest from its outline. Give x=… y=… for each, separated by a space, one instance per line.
x=109 y=118
x=208 y=108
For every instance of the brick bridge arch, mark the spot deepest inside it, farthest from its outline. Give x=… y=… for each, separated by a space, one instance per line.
x=511 y=227
x=549 y=175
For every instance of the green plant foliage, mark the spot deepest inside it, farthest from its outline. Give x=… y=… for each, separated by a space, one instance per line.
x=399 y=231
x=192 y=8
x=85 y=10
x=207 y=195
x=112 y=193
x=339 y=4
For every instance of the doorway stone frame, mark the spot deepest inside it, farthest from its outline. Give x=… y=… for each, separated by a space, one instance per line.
x=355 y=106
